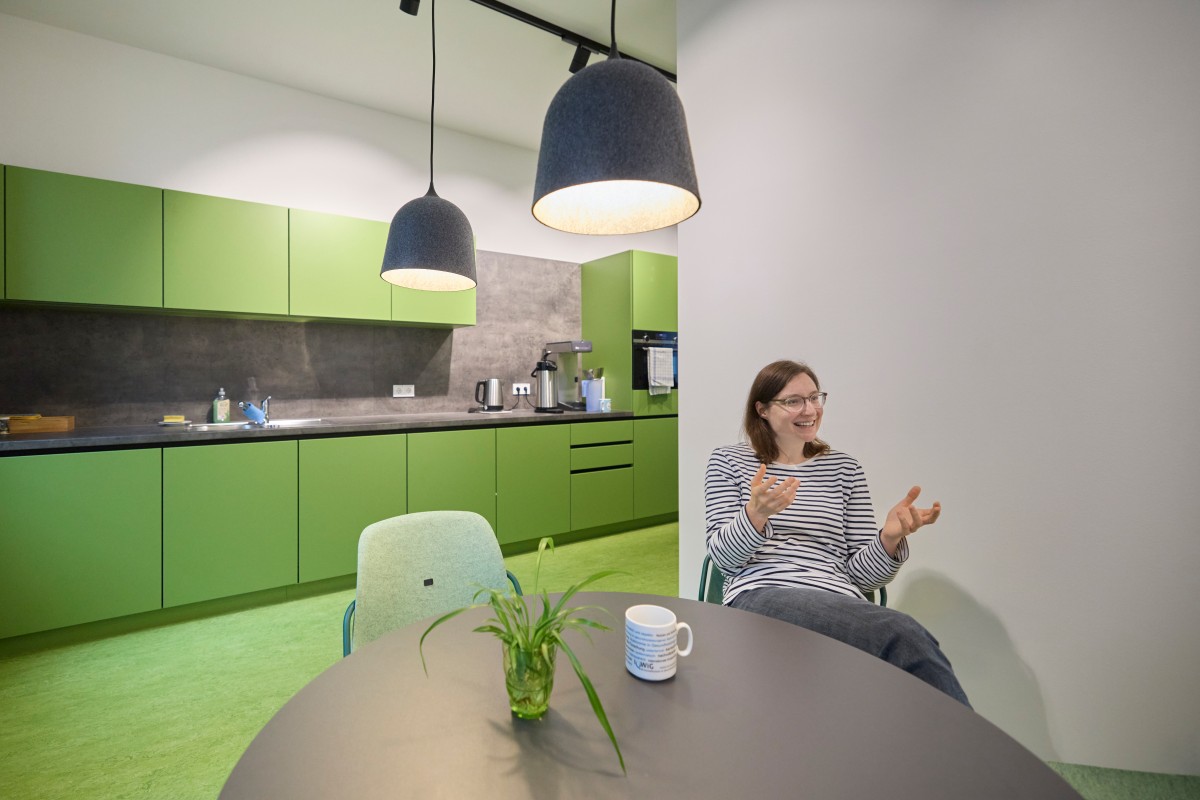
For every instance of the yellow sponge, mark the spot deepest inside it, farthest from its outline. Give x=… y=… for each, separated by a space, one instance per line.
x=172 y=417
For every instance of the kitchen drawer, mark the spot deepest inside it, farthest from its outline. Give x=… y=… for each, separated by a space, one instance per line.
x=601 y=498
x=619 y=430
x=605 y=455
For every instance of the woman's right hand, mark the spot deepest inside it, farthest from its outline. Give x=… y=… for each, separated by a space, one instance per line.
x=769 y=496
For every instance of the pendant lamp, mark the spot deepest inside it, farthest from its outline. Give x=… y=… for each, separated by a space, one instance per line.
x=615 y=155
x=430 y=245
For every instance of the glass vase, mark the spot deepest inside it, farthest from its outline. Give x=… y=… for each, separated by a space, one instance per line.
x=529 y=678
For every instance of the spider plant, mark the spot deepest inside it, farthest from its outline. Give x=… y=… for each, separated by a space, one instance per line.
x=531 y=642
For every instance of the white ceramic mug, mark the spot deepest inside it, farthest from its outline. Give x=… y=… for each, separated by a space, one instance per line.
x=652 y=642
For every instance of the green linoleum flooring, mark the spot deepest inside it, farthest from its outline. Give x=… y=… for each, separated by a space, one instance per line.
x=166 y=712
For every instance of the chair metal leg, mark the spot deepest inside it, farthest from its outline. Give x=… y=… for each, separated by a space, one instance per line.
x=347 y=627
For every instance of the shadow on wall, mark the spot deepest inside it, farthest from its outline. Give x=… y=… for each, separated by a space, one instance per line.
x=1001 y=686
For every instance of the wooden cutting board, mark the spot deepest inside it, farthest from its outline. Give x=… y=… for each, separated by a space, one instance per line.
x=41 y=425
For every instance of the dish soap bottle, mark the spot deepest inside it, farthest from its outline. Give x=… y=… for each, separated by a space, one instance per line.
x=220 y=408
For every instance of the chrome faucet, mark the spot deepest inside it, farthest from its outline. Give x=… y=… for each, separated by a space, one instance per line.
x=257 y=416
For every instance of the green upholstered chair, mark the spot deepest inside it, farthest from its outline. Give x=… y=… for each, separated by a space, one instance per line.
x=712 y=585
x=417 y=565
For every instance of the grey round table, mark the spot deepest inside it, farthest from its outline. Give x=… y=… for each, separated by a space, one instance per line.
x=761 y=708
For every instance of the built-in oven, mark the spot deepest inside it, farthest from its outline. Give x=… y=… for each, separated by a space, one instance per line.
x=643 y=341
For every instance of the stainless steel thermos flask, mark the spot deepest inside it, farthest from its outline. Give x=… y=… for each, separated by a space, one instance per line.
x=546 y=373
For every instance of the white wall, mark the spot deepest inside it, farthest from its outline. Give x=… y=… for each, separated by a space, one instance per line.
x=978 y=222
x=85 y=106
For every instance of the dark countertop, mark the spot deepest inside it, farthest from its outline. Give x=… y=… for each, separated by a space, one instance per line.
x=157 y=436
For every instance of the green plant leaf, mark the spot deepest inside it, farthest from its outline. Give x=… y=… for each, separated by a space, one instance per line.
x=436 y=622
x=594 y=699
x=569 y=593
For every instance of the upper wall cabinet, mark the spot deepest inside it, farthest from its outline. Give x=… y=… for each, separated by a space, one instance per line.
x=433 y=309
x=335 y=267
x=224 y=255
x=67 y=239
x=82 y=240
x=621 y=293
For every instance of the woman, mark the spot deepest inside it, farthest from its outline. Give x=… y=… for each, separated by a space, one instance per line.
x=791 y=525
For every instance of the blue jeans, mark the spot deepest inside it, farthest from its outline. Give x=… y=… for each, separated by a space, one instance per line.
x=885 y=633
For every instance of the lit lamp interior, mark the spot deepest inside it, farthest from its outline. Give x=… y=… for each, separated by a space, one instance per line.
x=428 y=279
x=613 y=207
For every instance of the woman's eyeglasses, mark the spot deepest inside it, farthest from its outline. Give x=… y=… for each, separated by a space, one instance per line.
x=798 y=403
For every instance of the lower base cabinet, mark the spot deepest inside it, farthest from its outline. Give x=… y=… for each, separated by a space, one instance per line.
x=604 y=497
x=533 y=482
x=453 y=471
x=655 y=466
x=345 y=485
x=79 y=538
x=229 y=519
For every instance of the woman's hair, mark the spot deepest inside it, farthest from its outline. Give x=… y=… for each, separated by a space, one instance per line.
x=769 y=382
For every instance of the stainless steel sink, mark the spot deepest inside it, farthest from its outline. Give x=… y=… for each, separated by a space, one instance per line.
x=250 y=426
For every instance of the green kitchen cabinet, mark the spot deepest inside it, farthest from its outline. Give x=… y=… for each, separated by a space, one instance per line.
x=346 y=483
x=432 y=309
x=621 y=293
x=224 y=255
x=229 y=519
x=335 y=264
x=80 y=538
x=601 y=473
x=655 y=466
x=70 y=239
x=453 y=470
x=533 y=482
x=655 y=291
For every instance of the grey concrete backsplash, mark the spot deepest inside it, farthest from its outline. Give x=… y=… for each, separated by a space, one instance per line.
x=115 y=368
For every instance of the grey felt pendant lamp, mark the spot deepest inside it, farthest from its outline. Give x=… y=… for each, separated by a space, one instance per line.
x=615 y=155
x=430 y=244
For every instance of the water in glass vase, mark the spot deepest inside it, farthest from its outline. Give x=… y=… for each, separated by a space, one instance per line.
x=529 y=678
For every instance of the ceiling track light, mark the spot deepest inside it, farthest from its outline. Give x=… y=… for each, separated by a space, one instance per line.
x=615 y=157
x=568 y=36
x=430 y=244
x=580 y=59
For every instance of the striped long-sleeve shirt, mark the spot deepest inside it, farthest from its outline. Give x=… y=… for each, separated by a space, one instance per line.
x=826 y=539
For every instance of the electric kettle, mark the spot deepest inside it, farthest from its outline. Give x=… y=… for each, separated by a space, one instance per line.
x=487 y=394
x=547 y=385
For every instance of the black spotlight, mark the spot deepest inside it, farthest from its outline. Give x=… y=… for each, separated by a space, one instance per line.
x=579 y=61
x=409 y=6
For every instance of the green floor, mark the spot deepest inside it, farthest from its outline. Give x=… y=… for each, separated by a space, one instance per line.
x=166 y=712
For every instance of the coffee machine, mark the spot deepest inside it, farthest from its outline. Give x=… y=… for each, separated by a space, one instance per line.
x=568 y=356
x=545 y=373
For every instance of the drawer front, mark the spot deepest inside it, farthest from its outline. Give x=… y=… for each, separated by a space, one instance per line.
x=601 y=498
x=605 y=455
x=619 y=430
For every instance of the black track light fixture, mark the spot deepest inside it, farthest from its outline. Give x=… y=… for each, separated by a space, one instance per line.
x=580 y=59
x=410 y=6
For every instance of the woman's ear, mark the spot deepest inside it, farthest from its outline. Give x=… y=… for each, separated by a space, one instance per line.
x=760 y=409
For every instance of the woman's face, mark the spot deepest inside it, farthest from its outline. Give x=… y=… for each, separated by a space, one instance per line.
x=795 y=426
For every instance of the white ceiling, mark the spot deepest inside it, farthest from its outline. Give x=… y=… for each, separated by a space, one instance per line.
x=496 y=76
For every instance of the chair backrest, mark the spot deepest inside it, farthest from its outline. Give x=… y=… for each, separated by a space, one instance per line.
x=712 y=582
x=417 y=565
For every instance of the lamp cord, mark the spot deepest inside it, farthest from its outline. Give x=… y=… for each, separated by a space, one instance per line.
x=432 y=88
x=613 y=53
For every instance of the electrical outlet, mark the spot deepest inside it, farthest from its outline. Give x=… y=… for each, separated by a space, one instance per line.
x=520 y=390
x=403 y=390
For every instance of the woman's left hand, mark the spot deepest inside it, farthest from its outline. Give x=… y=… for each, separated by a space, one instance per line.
x=904 y=518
